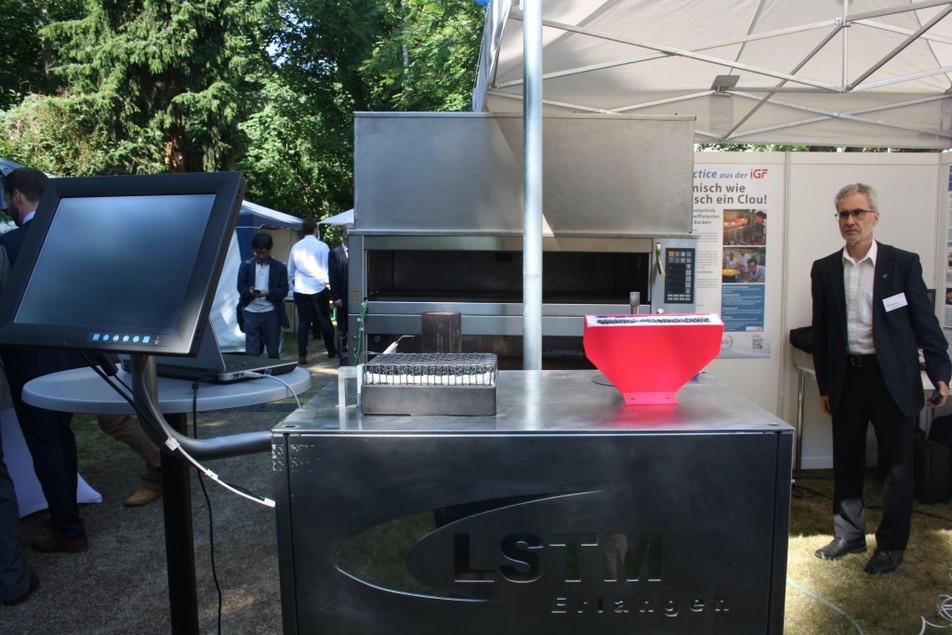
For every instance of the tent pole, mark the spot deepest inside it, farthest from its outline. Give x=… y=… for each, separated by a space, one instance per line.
x=532 y=184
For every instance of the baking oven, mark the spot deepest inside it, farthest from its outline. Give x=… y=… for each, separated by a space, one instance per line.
x=438 y=227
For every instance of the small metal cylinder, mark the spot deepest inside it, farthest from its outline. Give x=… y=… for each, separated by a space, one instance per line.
x=634 y=299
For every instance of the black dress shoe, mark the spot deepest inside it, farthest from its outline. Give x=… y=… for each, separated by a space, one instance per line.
x=839 y=548
x=34 y=585
x=884 y=561
x=57 y=544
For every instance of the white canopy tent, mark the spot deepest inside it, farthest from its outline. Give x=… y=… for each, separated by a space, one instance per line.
x=252 y=218
x=344 y=218
x=811 y=72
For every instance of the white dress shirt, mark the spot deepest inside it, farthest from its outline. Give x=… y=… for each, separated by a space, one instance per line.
x=858 y=279
x=307 y=266
x=262 y=275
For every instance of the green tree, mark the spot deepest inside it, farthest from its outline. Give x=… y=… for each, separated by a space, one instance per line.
x=365 y=55
x=164 y=86
x=429 y=62
x=23 y=51
x=291 y=163
x=266 y=86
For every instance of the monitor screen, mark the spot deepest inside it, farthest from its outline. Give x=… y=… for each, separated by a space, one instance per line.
x=124 y=264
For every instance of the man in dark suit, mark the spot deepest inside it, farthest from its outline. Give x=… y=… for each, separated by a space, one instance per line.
x=47 y=434
x=337 y=272
x=871 y=313
x=263 y=285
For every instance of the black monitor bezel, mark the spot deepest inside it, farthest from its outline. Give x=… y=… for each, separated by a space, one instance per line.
x=184 y=338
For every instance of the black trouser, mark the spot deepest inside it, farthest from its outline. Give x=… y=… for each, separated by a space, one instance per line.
x=311 y=306
x=49 y=438
x=342 y=323
x=866 y=400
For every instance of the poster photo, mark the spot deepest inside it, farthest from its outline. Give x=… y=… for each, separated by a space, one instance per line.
x=731 y=219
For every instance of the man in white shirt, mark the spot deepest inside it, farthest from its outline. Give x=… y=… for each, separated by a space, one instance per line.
x=308 y=273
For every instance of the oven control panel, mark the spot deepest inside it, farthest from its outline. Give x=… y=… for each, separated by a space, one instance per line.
x=674 y=275
x=679 y=275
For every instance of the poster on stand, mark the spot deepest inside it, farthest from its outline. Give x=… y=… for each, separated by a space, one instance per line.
x=732 y=205
x=947 y=313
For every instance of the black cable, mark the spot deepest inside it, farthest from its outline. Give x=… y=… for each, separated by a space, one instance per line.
x=809 y=492
x=128 y=394
x=801 y=491
x=931 y=515
x=208 y=506
x=142 y=411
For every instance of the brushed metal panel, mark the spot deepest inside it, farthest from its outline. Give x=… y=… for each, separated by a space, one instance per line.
x=565 y=513
x=463 y=171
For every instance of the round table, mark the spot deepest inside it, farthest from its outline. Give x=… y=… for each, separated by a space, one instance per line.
x=82 y=390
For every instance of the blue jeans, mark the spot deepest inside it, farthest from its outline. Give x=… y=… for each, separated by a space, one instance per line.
x=262 y=331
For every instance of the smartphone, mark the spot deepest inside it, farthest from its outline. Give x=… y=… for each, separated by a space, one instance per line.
x=935 y=398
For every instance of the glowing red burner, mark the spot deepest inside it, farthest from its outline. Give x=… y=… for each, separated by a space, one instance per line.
x=649 y=357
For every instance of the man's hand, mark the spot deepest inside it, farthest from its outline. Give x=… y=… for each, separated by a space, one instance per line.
x=942 y=393
x=825 y=404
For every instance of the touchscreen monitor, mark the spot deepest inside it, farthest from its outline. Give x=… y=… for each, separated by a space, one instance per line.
x=124 y=264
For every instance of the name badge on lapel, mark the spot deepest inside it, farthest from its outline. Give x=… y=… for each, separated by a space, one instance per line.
x=895 y=302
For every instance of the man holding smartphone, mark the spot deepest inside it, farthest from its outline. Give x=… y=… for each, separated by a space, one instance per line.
x=263 y=285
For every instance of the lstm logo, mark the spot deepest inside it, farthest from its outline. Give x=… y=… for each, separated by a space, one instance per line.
x=758 y=173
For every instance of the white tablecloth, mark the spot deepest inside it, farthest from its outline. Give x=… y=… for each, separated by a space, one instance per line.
x=15 y=454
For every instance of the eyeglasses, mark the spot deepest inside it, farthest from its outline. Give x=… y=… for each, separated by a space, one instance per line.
x=857 y=214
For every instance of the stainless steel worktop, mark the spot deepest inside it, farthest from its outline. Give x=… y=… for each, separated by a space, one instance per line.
x=555 y=402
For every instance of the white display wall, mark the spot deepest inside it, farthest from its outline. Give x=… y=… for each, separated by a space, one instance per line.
x=798 y=199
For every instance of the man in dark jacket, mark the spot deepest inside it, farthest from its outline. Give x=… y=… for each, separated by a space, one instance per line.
x=48 y=434
x=263 y=285
x=338 y=274
x=871 y=312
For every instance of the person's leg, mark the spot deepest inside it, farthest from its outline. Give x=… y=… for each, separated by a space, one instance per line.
x=342 y=328
x=322 y=309
x=254 y=329
x=894 y=438
x=271 y=333
x=128 y=430
x=304 y=304
x=15 y=579
x=53 y=447
x=850 y=423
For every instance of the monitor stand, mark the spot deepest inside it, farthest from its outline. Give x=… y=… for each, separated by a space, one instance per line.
x=176 y=502
x=176 y=487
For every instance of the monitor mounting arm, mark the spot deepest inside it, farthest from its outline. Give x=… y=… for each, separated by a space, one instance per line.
x=145 y=390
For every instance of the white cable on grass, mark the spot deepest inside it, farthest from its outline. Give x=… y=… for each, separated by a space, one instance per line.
x=943 y=609
x=826 y=603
